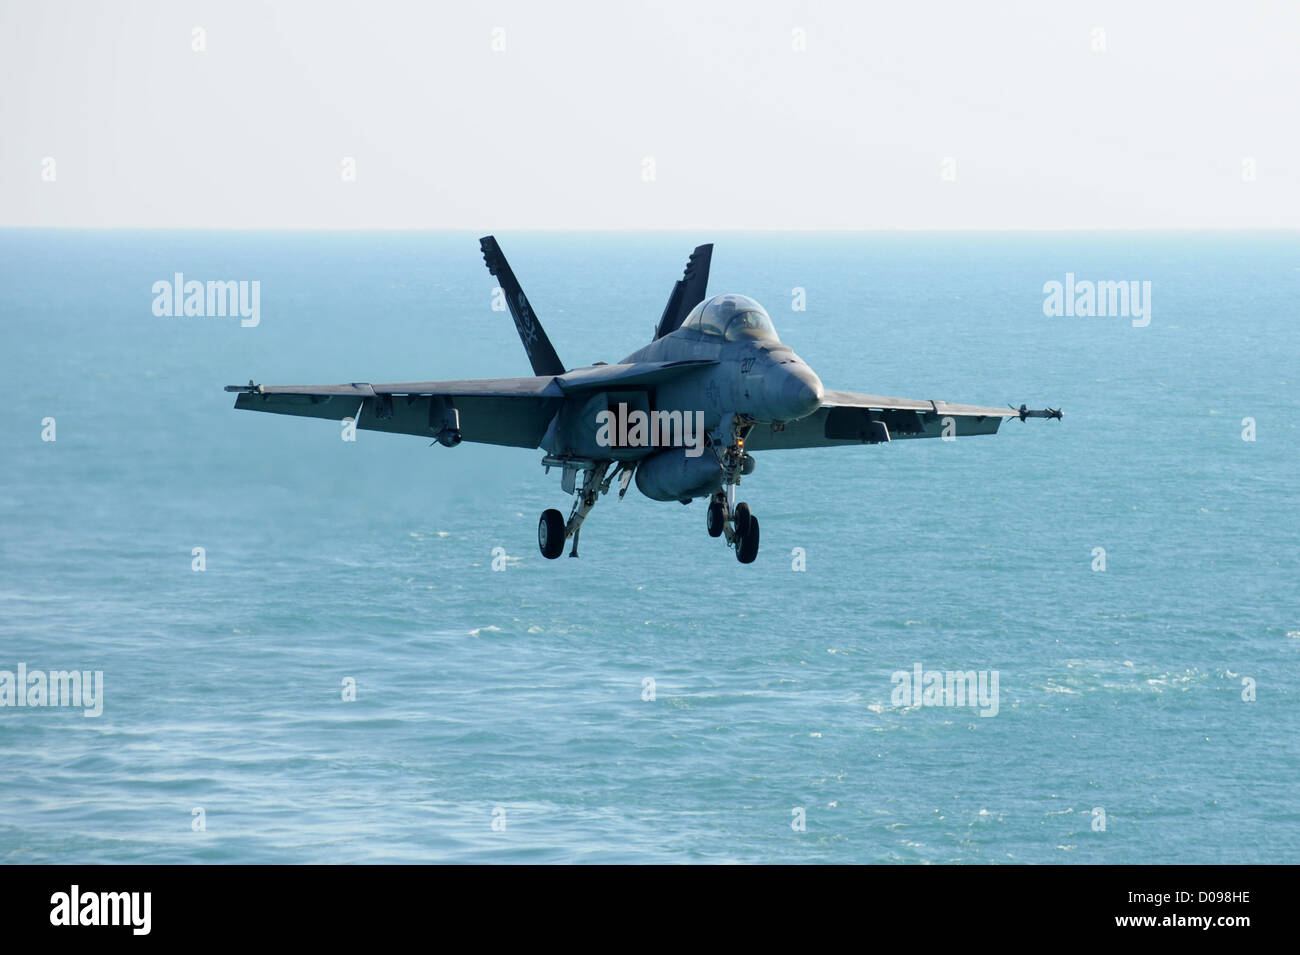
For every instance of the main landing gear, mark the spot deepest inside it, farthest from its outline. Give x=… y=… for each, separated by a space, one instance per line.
x=725 y=517
x=553 y=530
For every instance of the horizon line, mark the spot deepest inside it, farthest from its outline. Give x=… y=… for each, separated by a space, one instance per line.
x=662 y=229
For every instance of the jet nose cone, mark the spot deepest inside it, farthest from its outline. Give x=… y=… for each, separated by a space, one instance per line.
x=801 y=394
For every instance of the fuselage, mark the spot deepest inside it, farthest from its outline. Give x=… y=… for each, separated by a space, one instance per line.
x=759 y=378
x=744 y=370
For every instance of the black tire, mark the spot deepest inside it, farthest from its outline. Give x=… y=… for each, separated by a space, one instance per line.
x=741 y=519
x=714 y=519
x=550 y=534
x=748 y=548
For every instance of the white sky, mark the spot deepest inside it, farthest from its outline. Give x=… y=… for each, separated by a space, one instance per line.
x=745 y=133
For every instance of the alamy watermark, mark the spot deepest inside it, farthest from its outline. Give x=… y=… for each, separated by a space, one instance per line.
x=76 y=907
x=921 y=687
x=83 y=688
x=651 y=429
x=194 y=299
x=1086 y=299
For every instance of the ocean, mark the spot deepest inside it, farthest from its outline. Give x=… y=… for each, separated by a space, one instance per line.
x=1128 y=573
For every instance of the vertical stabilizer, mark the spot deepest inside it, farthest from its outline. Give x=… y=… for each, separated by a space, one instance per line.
x=536 y=344
x=688 y=292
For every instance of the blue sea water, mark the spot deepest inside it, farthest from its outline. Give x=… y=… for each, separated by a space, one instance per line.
x=518 y=694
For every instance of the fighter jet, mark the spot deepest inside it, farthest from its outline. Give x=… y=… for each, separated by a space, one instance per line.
x=682 y=415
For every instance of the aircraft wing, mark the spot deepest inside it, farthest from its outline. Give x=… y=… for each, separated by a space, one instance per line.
x=846 y=417
x=513 y=412
x=637 y=374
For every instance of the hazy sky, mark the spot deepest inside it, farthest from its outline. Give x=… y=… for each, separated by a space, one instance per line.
x=1165 y=128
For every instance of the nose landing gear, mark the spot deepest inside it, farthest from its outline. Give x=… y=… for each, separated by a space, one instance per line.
x=739 y=525
x=747 y=548
x=716 y=518
x=725 y=516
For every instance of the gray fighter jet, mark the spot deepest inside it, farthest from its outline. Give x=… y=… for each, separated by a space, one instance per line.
x=681 y=415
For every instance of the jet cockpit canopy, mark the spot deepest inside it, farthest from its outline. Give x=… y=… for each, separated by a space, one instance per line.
x=731 y=317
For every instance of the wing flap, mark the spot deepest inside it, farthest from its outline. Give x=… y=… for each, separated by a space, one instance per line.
x=502 y=387
x=832 y=427
x=849 y=418
x=850 y=399
x=509 y=412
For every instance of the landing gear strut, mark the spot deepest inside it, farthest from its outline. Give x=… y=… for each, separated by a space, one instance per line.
x=552 y=529
x=725 y=517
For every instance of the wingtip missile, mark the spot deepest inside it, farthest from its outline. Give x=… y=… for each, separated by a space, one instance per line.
x=1024 y=412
